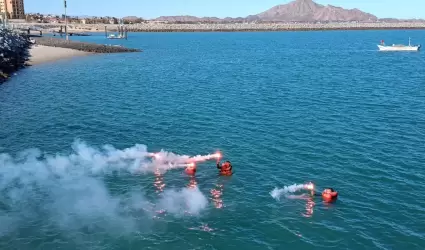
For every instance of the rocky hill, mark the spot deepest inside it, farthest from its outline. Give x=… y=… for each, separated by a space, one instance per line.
x=309 y=11
x=295 y=11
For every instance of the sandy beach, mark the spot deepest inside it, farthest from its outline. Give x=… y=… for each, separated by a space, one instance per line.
x=42 y=54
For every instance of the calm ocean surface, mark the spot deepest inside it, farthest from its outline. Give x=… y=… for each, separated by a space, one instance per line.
x=284 y=108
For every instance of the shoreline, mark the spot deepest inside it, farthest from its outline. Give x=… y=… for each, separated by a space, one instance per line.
x=14 y=52
x=40 y=54
x=44 y=49
x=48 y=49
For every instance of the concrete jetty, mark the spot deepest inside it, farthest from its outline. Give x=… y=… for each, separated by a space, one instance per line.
x=82 y=46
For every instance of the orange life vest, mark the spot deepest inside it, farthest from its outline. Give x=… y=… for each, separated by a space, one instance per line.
x=191 y=170
x=226 y=169
x=329 y=196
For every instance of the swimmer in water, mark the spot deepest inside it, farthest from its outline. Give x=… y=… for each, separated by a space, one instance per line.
x=328 y=195
x=191 y=169
x=225 y=168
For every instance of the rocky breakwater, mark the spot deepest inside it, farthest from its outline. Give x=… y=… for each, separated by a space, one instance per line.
x=14 y=52
x=246 y=26
x=229 y=27
x=82 y=46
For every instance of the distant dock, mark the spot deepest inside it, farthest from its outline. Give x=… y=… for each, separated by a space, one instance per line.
x=77 y=34
x=70 y=34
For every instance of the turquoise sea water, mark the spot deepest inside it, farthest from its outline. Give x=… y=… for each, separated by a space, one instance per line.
x=285 y=108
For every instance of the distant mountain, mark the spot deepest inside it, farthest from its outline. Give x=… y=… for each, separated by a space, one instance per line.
x=131 y=18
x=309 y=11
x=295 y=11
x=191 y=19
x=187 y=19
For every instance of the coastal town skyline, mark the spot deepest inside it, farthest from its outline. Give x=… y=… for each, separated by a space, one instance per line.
x=13 y=9
x=235 y=8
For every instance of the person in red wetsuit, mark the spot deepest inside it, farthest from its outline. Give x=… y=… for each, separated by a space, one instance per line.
x=225 y=168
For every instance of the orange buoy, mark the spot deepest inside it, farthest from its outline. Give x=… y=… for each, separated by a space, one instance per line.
x=329 y=195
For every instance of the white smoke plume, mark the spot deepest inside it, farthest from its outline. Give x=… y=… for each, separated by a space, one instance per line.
x=187 y=201
x=277 y=193
x=70 y=193
x=90 y=160
x=164 y=161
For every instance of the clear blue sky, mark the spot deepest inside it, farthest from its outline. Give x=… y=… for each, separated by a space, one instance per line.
x=218 y=8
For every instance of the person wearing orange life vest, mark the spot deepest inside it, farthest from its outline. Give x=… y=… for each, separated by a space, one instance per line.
x=329 y=195
x=191 y=169
x=225 y=168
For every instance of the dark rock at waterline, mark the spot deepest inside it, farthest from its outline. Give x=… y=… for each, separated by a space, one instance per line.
x=14 y=52
x=82 y=46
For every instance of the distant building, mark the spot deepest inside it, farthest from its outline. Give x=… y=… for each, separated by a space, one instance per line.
x=2 y=9
x=14 y=9
x=52 y=20
x=3 y=6
x=113 y=21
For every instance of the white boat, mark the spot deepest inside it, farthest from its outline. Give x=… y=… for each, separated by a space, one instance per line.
x=398 y=47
